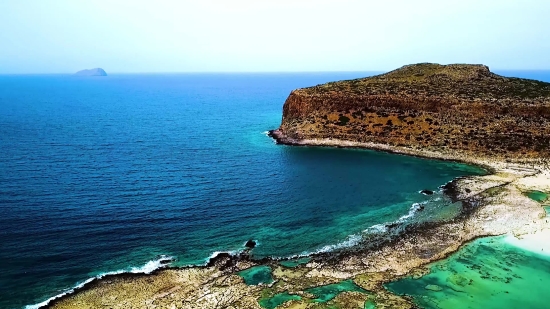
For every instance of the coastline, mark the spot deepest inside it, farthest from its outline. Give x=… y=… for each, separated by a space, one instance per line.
x=486 y=200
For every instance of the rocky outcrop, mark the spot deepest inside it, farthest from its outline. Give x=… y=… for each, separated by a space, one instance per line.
x=445 y=107
x=250 y=244
x=92 y=72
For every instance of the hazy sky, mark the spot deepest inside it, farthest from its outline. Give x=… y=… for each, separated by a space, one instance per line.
x=63 y=36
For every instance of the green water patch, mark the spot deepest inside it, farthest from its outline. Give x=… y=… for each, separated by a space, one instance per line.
x=547 y=209
x=257 y=275
x=370 y=304
x=327 y=292
x=296 y=262
x=277 y=300
x=537 y=196
x=487 y=273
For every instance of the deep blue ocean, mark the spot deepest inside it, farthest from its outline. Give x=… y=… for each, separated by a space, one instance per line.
x=110 y=174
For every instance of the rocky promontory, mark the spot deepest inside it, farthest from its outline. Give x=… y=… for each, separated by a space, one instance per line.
x=429 y=106
x=92 y=72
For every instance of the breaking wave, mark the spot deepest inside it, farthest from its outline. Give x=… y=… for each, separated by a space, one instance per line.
x=147 y=268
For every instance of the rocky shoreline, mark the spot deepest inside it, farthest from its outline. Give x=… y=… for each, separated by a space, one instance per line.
x=491 y=205
x=462 y=113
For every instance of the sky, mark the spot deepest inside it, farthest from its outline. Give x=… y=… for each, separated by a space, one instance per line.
x=64 y=36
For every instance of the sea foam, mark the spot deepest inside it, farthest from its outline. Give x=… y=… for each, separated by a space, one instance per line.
x=355 y=239
x=147 y=268
x=351 y=241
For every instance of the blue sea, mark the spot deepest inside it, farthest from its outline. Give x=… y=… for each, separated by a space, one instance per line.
x=114 y=174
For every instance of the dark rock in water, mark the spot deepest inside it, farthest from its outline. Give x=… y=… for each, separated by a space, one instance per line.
x=392 y=225
x=250 y=244
x=420 y=207
x=164 y=260
x=92 y=72
x=450 y=189
x=222 y=260
x=427 y=192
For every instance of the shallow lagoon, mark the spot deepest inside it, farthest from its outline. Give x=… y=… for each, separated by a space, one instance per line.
x=321 y=294
x=327 y=292
x=257 y=275
x=295 y=262
x=487 y=273
x=537 y=196
x=277 y=300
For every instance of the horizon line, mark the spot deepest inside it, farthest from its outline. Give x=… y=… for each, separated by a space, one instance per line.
x=252 y=72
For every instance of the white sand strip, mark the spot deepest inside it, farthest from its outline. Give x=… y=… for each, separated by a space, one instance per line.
x=538 y=242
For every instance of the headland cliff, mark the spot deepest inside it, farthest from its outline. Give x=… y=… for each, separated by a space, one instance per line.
x=429 y=106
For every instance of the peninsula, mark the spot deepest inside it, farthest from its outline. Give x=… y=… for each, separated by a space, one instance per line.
x=453 y=112
x=425 y=106
x=92 y=72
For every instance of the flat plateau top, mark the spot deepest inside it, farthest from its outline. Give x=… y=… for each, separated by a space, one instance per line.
x=462 y=81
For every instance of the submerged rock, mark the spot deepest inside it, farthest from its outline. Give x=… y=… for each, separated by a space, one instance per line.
x=433 y=287
x=458 y=280
x=427 y=192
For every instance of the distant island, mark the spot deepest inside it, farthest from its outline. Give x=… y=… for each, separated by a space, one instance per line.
x=92 y=72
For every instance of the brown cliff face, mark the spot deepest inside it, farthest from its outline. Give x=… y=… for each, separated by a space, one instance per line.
x=464 y=107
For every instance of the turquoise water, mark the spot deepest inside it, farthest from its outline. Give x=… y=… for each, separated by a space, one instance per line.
x=257 y=275
x=327 y=292
x=537 y=196
x=369 y=304
x=277 y=300
x=114 y=174
x=488 y=273
x=295 y=262
x=322 y=294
